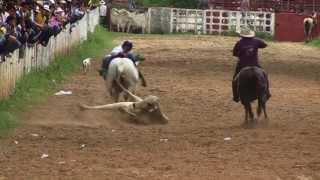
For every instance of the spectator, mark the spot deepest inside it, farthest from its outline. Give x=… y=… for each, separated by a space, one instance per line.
x=26 y=22
x=103 y=13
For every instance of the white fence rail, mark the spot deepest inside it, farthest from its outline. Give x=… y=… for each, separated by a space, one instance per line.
x=209 y=21
x=39 y=57
x=218 y=21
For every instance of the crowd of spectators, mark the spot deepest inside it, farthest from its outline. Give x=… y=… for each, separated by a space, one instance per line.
x=27 y=22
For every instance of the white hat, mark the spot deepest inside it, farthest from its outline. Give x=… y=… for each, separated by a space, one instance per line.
x=62 y=1
x=37 y=9
x=59 y=10
x=40 y=3
x=52 y=1
x=247 y=32
x=102 y=2
x=46 y=7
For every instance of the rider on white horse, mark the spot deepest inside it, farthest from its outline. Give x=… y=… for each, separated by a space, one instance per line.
x=122 y=51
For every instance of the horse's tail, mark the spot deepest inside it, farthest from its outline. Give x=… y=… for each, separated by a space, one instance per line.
x=117 y=75
x=260 y=78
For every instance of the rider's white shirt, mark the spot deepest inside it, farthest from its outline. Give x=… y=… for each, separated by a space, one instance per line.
x=116 y=50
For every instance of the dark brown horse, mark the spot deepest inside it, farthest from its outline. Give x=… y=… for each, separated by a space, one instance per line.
x=252 y=84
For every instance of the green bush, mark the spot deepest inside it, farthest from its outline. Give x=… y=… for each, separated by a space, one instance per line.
x=169 y=3
x=315 y=42
x=261 y=35
x=230 y=33
x=265 y=36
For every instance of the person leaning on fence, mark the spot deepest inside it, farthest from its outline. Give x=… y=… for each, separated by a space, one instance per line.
x=103 y=13
x=247 y=52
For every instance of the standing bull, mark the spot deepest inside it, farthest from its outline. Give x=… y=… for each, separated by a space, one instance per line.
x=139 y=21
x=121 y=19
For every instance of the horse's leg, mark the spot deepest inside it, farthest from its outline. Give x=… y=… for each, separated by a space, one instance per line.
x=114 y=91
x=259 y=109
x=251 y=116
x=116 y=97
x=246 y=108
x=264 y=107
x=126 y=97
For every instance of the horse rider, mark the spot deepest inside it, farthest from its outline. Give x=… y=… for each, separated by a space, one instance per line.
x=246 y=49
x=122 y=51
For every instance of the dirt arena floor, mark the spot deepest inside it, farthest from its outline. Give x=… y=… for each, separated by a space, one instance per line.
x=192 y=77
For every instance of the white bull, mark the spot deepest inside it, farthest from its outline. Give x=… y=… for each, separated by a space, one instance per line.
x=142 y=109
x=139 y=20
x=124 y=71
x=121 y=19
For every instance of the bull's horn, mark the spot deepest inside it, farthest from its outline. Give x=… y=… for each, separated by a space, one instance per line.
x=163 y=115
x=159 y=112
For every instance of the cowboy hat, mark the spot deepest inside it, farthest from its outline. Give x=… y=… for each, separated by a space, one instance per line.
x=247 y=32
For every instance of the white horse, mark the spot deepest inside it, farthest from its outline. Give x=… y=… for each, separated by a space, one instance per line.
x=124 y=71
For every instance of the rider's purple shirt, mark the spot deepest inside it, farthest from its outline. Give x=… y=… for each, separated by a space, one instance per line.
x=247 y=51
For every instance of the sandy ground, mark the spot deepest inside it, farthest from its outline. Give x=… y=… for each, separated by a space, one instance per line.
x=191 y=75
